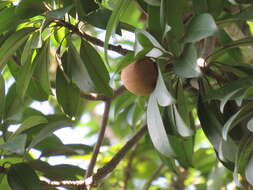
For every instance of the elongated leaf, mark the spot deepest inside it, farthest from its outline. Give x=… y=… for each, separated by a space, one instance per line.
x=41 y=72
x=16 y=145
x=243 y=113
x=182 y=128
x=96 y=68
x=186 y=66
x=156 y=128
x=12 y=44
x=54 y=122
x=22 y=177
x=113 y=22
x=226 y=98
x=200 y=27
x=29 y=123
x=171 y=14
x=249 y=170
x=2 y=96
x=79 y=73
x=8 y=19
x=67 y=93
x=161 y=93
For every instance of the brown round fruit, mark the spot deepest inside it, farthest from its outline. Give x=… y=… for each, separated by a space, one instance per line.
x=140 y=77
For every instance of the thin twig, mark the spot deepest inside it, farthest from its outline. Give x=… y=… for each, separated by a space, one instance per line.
x=153 y=177
x=100 y=139
x=91 y=39
x=104 y=171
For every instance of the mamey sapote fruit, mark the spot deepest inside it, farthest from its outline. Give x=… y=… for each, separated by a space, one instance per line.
x=140 y=77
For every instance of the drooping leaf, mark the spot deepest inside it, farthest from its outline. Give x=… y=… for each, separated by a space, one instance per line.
x=200 y=27
x=243 y=113
x=79 y=73
x=96 y=68
x=11 y=44
x=156 y=128
x=186 y=66
x=22 y=177
x=161 y=93
x=113 y=22
x=171 y=15
x=67 y=93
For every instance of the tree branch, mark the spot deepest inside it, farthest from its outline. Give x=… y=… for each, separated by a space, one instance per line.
x=91 y=39
x=104 y=171
x=100 y=139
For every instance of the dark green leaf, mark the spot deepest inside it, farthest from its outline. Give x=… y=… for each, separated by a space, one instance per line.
x=59 y=13
x=186 y=66
x=11 y=44
x=113 y=22
x=96 y=68
x=29 y=8
x=67 y=93
x=79 y=73
x=8 y=19
x=22 y=177
x=200 y=6
x=54 y=122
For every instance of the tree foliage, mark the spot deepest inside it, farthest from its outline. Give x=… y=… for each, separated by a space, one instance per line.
x=194 y=129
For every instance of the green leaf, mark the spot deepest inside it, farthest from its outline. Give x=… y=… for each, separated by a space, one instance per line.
x=146 y=44
x=226 y=98
x=30 y=8
x=33 y=42
x=217 y=178
x=8 y=19
x=11 y=44
x=200 y=6
x=4 y=184
x=54 y=122
x=186 y=66
x=24 y=77
x=59 y=13
x=96 y=68
x=13 y=104
x=112 y=23
x=171 y=15
x=29 y=123
x=41 y=72
x=16 y=145
x=67 y=93
x=156 y=128
x=22 y=177
x=240 y=115
x=200 y=27
x=79 y=73
x=248 y=171
x=182 y=127
x=2 y=97
x=57 y=172
x=161 y=93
